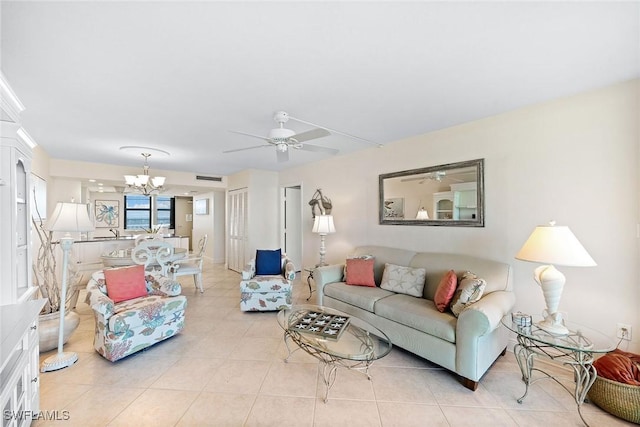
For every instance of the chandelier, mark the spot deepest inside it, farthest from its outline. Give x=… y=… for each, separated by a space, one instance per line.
x=144 y=183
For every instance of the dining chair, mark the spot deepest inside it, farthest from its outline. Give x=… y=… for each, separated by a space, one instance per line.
x=191 y=265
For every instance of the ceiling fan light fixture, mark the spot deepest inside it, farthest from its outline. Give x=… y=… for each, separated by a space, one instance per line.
x=282 y=147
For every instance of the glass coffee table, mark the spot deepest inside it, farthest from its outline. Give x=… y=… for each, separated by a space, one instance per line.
x=575 y=349
x=335 y=338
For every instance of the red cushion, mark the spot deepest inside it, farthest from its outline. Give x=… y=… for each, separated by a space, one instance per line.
x=360 y=272
x=125 y=283
x=445 y=291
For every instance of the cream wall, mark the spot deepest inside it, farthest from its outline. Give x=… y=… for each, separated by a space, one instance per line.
x=211 y=224
x=574 y=160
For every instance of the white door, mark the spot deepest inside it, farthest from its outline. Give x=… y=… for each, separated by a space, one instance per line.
x=292 y=225
x=238 y=214
x=184 y=217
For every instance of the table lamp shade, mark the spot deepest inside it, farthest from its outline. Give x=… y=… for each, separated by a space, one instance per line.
x=70 y=217
x=557 y=245
x=323 y=224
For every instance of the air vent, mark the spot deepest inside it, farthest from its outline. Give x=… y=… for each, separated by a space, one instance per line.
x=208 y=178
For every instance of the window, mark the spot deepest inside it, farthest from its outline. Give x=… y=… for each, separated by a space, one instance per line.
x=139 y=209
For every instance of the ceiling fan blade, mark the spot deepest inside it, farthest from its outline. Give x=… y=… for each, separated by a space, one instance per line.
x=318 y=149
x=247 y=148
x=250 y=134
x=311 y=134
x=338 y=132
x=282 y=156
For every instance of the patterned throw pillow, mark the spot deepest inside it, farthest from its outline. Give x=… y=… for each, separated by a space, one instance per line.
x=446 y=288
x=403 y=280
x=470 y=291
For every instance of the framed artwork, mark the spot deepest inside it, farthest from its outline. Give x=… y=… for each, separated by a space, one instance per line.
x=201 y=207
x=394 y=208
x=107 y=214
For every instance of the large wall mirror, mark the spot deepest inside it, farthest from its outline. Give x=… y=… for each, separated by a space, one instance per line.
x=451 y=194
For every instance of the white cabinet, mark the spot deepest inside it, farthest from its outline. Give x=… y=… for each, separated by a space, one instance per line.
x=19 y=363
x=15 y=201
x=443 y=205
x=465 y=200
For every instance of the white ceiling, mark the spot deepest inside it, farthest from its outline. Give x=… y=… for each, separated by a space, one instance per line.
x=178 y=76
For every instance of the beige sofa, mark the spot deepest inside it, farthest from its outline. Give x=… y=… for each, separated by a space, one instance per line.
x=467 y=345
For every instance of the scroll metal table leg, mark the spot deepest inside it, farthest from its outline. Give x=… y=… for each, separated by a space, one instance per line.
x=524 y=357
x=309 y=277
x=329 y=371
x=584 y=375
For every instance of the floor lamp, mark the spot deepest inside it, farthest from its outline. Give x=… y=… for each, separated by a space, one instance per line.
x=323 y=225
x=67 y=217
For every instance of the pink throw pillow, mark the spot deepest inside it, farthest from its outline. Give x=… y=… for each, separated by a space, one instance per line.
x=360 y=272
x=125 y=283
x=445 y=291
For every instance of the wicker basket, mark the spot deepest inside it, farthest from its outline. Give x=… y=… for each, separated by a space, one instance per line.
x=621 y=400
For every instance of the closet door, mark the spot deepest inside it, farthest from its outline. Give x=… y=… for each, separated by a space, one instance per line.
x=238 y=201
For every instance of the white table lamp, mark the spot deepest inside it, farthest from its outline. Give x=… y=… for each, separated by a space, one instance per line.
x=554 y=245
x=323 y=225
x=67 y=217
x=422 y=214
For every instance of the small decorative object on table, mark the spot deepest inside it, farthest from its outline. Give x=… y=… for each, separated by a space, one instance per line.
x=322 y=325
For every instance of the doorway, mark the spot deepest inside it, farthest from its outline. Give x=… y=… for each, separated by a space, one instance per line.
x=291 y=223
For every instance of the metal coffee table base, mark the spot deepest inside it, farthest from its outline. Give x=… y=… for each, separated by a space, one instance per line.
x=330 y=363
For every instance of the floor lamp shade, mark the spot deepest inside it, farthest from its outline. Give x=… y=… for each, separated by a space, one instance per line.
x=553 y=245
x=66 y=217
x=70 y=217
x=323 y=225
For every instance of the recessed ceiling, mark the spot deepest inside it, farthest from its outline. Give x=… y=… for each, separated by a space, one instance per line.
x=177 y=76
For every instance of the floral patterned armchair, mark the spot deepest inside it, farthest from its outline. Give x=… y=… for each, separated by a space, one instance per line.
x=129 y=326
x=266 y=292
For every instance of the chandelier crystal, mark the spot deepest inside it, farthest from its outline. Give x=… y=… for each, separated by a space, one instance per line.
x=144 y=183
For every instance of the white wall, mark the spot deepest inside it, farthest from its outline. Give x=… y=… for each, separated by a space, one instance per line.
x=574 y=160
x=213 y=225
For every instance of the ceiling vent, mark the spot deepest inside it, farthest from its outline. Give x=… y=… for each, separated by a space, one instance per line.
x=209 y=178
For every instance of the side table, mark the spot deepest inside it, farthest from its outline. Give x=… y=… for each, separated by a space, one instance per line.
x=309 y=271
x=575 y=350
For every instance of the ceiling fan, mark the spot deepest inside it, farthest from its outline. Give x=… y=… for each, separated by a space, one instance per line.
x=435 y=176
x=283 y=139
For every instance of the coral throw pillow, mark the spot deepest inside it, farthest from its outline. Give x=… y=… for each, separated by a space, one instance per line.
x=360 y=272
x=125 y=283
x=445 y=291
x=268 y=263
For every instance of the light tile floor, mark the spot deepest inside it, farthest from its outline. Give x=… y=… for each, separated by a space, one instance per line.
x=226 y=369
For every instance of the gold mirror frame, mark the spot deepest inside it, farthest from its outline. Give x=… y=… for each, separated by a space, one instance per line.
x=451 y=194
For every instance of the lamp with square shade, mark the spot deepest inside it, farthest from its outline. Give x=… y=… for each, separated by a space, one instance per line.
x=553 y=245
x=67 y=217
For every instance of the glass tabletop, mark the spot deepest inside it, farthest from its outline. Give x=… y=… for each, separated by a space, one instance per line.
x=579 y=338
x=358 y=341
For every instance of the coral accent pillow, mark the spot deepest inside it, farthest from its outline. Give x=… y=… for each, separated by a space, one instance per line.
x=125 y=283
x=360 y=272
x=445 y=291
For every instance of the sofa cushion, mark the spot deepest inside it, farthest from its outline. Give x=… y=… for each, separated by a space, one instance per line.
x=418 y=313
x=268 y=262
x=360 y=272
x=125 y=283
x=403 y=280
x=445 y=291
x=469 y=291
x=363 y=297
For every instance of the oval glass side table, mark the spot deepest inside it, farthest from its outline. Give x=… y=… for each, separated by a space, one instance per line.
x=575 y=350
